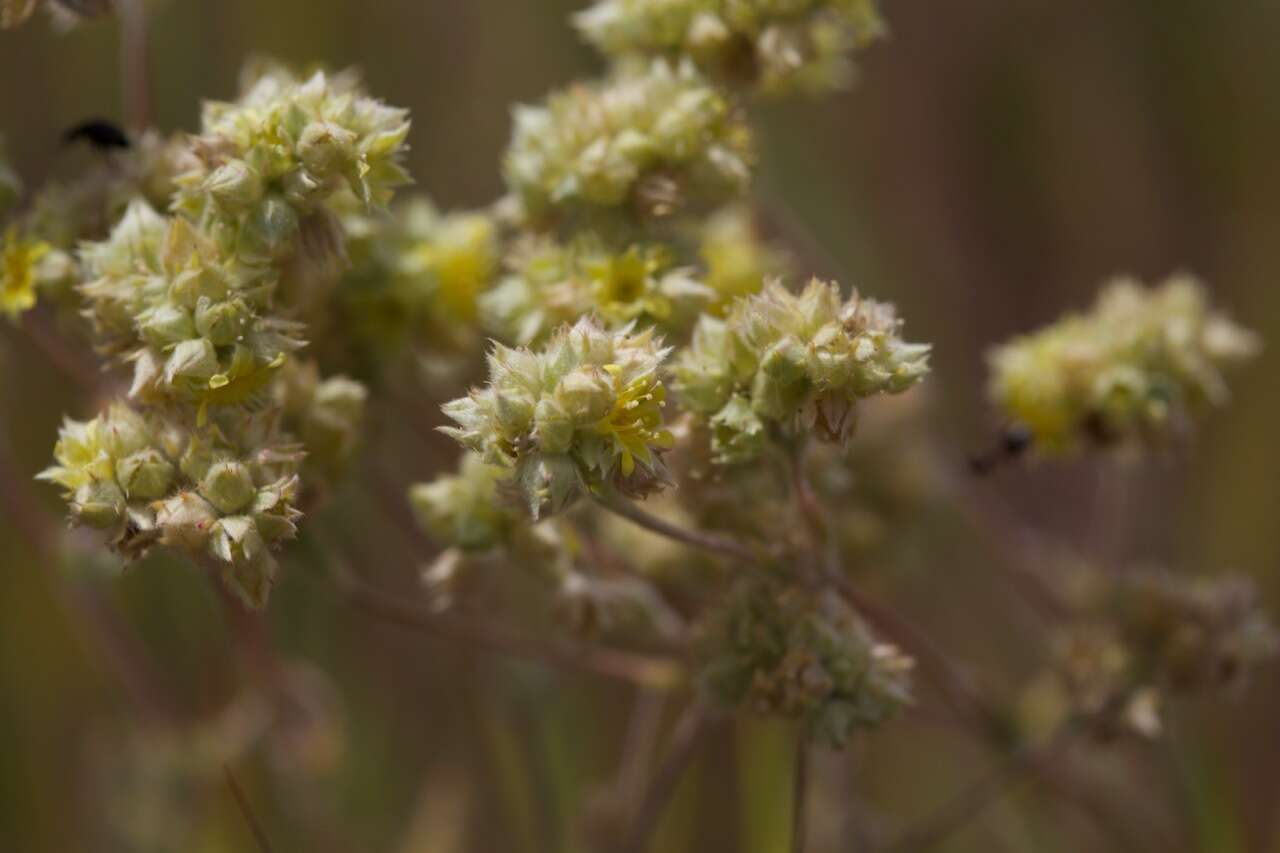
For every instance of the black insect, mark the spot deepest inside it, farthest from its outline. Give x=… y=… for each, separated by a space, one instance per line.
x=102 y=134
x=1015 y=440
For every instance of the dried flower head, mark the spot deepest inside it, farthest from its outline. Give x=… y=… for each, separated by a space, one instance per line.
x=799 y=361
x=1147 y=637
x=795 y=653
x=583 y=412
x=774 y=45
x=650 y=140
x=1133 y=369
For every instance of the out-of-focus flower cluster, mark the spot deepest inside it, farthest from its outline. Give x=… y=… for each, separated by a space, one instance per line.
x=582 y=413
x=1134 y=369
x=201 y=305
x=800 y=362
x=415 y=280
x=552 y=284
x=773 y=45
x=791 y=652
x=1143 y=638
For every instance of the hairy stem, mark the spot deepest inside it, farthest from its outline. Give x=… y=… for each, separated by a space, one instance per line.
x=645 y=670
x=714 y=543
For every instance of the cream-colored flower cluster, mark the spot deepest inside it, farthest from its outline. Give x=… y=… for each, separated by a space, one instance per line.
x=1135 y=368
x=773 y=45
x=797 y=361
x=583 y=412
x=226 y=491
x=791 y=652
x=551 y=284
x=201 y=305
x=651 y=140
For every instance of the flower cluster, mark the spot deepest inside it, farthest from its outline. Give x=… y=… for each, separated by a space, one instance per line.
x=271 y=159
x=226 y=491
x=797 y=361
x=1145 y=637
x=774 y=45
x=416 y=277
x=794 y=653
x=583 y=412
x=551 y=284
x=1131 y=370
x=737 y=260
x=647 y=142
x=465 y=510
x=201 y=304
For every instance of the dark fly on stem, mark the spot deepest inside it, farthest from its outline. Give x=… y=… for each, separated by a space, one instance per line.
x=103 y=134
x=1015 y=440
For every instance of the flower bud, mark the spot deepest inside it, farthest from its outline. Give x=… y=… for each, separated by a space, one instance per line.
x=326 y=148
x=235 y=184
x=222 y=322
x=185 y=520
x=228 y=486
x=166 y=324
x=145 y=475
x=99 y=503
x=193 y=361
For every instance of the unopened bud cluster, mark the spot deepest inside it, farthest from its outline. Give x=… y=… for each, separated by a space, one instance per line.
x=773 y=45
x=796 y=653
x=801 y=362
x=583 y=412
x=1134 y=369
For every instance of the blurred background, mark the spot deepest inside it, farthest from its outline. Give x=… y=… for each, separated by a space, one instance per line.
x=996 y=161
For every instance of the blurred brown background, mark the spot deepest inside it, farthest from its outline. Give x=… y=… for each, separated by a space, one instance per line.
x=996 y=161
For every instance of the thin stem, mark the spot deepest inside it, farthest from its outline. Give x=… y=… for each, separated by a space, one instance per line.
x=638 y=748
x=648 y=671
x=134 y=77
x=970 y=803
x=690 y=729
x=800 y=796
x=711 y=542
x=956 y=686
x=242 y=802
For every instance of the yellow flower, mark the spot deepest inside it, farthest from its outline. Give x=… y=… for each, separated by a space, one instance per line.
x=18 y=272
x=635 y=421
